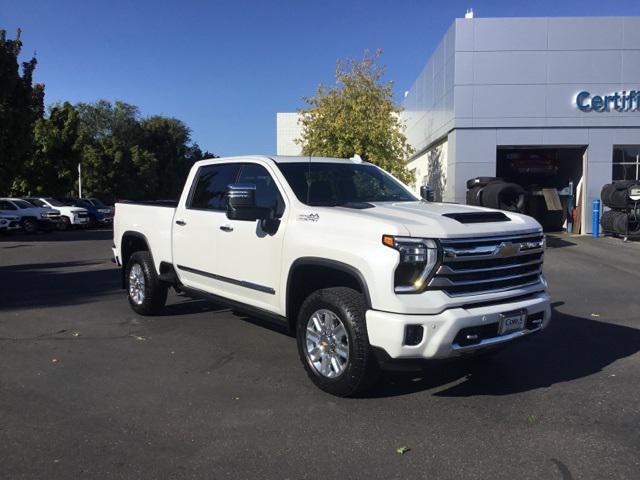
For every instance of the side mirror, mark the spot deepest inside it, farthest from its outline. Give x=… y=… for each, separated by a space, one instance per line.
x=427 y=193
x=241 y=203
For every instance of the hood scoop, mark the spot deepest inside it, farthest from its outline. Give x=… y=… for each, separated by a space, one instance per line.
x=478 y=217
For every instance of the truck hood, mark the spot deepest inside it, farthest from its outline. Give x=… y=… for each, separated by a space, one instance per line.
x=426 y=219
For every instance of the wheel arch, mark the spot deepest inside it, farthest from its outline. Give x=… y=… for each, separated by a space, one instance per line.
x=130 y=243
x=308 y=274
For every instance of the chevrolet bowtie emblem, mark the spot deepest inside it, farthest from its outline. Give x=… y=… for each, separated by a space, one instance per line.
x=507 y=249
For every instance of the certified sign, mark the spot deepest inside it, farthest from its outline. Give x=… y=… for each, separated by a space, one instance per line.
x=618 y=101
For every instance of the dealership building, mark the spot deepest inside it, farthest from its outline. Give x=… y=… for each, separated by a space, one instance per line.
x=543 y=102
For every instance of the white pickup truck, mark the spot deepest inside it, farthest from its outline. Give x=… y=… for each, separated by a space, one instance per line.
x=343 y=254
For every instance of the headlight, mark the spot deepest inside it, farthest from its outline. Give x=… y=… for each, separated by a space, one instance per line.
x=104 y=210
x=418 y=258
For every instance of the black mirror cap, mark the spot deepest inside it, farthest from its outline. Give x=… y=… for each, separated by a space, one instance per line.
x=241 y=203
x=427 y=193
x=241 y=195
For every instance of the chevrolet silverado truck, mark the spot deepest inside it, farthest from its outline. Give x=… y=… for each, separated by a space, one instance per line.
x=343 y=254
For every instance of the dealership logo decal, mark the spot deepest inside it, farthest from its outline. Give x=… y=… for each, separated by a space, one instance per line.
x=618 y=101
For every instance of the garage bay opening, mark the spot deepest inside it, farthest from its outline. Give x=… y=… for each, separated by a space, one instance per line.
x=552 y=180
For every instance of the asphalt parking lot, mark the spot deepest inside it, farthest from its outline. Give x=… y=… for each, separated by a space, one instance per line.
x=88 y=389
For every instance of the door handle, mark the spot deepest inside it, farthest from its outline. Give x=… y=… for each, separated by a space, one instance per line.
x=226 y=228
x=182 y=223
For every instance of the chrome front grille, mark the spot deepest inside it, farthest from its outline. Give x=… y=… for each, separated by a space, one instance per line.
x=491 y=264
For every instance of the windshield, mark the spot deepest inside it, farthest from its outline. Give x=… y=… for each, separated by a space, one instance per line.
x=54 y=202
x=332 y=184
x=97 y=202
x=37 y=202
x=22 y=204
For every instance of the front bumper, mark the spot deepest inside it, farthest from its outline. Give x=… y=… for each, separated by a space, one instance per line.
x=79 y=221
x=387 y=330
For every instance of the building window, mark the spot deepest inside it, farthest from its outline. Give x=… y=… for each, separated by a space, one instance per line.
x=626 y=162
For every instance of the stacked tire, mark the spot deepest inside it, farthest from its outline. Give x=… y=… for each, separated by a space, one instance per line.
x=621 y=198
x=493 y=192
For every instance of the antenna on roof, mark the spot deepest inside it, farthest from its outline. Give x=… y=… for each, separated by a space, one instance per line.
x=356 y=158
x=469 y=13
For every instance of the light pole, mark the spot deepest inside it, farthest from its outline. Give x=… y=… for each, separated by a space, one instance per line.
x=79 y=180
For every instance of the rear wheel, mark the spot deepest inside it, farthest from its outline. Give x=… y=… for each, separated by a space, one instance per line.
x=147 y=295
x=333 y=343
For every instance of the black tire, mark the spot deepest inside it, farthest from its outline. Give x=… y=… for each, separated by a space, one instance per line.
x=154 y=291
x=481 y=181
x=361 y=370
x=93 y=223
x=474 y=196
x=620 y=223
x=63 y=224
x=616 y=195
x=29 y=225
x=504 y=196
x=607 y=219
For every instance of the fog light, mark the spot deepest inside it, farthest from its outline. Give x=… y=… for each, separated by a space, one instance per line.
x=413 y=334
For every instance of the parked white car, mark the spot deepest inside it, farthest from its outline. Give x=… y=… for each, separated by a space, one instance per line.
x=69 y=215
x=32 y=218
x=343 y=254
x=9 y=223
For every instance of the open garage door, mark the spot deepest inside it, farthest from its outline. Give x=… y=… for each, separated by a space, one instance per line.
x=544 y=172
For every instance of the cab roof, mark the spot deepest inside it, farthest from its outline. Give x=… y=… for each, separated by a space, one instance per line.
x=290 y=159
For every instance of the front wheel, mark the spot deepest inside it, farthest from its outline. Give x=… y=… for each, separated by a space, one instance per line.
x=333 y=343
x=30 y=225
x=147 y=295
x=63 y=224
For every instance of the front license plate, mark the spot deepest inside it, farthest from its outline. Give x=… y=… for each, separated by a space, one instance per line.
x=512 y=322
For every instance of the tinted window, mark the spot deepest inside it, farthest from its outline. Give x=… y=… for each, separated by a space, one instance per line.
x=212 y=185
x=332 y=184
x=37 y=202
x=626 y=162
x=267 y=193
x=54 y=202
x=4 y=205
x=22 y=204
x=97 y=202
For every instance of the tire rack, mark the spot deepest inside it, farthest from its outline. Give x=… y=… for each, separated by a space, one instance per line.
x=626 y=235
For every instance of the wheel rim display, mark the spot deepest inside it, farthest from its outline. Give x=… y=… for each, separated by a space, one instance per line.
x=136 y=284
x=327 y=343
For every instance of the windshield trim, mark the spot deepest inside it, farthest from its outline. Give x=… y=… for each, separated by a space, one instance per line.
x=404 y=193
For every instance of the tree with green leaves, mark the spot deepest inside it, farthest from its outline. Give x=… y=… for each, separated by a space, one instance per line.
x=357 y=116
x=52 y=167
x=126 y=156
x=21 y=104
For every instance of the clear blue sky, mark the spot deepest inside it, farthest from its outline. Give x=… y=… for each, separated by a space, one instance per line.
x=227 y=67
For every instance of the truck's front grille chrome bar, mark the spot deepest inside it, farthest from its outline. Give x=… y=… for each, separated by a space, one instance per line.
x=476 y=266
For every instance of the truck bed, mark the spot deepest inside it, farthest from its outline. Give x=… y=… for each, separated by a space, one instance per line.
x=153 y=220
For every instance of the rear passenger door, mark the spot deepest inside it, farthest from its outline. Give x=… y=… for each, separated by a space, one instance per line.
x=196 y=227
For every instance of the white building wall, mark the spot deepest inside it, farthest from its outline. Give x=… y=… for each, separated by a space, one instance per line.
x=430 y=168
x=287 y=130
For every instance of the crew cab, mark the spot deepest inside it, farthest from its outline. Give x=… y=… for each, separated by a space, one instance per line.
x=342 y=253
x=32 y=218
x=69 y=216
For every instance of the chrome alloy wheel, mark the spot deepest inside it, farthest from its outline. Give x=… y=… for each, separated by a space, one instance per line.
x=136 y=284
x=327 y=343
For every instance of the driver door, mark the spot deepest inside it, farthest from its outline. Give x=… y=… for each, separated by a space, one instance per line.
x=250 y=259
